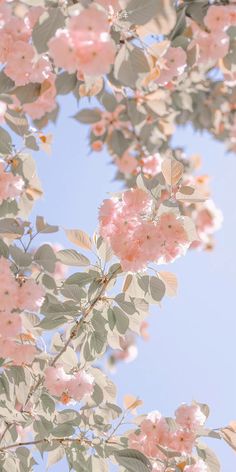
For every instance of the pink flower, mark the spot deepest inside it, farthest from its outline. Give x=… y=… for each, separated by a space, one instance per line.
x=20 y=63
x=127 y=163
x=6 y=45
x=23 y=354
x=190 y=416
x=136 y=200
x=62 y=50
x=94 y=49
x=172 y=65
x=41 y=70
x=99 y=128
x=56 y=380
x=182 y=441
x=19 y=353
x=8 y=287
x=30 y=296
x=213 y=46
x=10 y=324
x=74 y=386
x=135 y=237
x=218 y=18
x=5 y=14
x=208 y=218
x=90 y=20
x=94 y=56
x=18 y=29
x=151 y=165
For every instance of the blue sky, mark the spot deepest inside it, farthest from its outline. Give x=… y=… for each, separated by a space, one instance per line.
x=191 y=351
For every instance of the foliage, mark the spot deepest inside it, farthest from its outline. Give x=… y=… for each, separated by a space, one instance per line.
x=143 y=66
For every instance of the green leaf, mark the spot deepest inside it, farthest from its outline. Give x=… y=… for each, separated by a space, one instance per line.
x=46 y=28
x=27 y=93
x=49 y=282
x=4 y=251
x=79 y=278
x=52 y=323
x=43 y=227
x=125 y=304
x=45 y=257
x=65 y=83
x=21 y=258
x=130 y=63
x=157 y=288
x=122 y=320
x=72 y=258
x=5 y=142
x=73 y=291
x=10 y=227
x=63 y=430
x=97 y=341
x=133 y=461
x=88 y=116
x=6 y=84
x=140 y=12
x=111 y=319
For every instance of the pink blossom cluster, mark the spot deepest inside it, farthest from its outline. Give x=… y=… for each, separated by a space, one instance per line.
x=128 y=164
x=68 y=386
x=137 y=235
x=22 y=63
x=85 y=46
x=213 y=44
x=16 y=297
x=10 y=185
x=155 y=431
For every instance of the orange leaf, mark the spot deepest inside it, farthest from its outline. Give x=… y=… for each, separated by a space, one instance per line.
x=79 y=238
x=170 y=281
x=172 y=171
x=131 y=402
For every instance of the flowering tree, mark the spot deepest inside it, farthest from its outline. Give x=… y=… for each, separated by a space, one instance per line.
x=145 y=66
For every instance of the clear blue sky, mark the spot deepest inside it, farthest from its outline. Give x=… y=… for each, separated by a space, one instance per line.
x=191 y=351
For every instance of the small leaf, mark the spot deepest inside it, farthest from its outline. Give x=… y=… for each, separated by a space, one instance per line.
x=157 y=288
x=79 y=237
x=43 y=227
x=122 y=320
x=88 y=116
x=132 y=460
x=45 y=257
x=131 y=402
x=72 y=258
